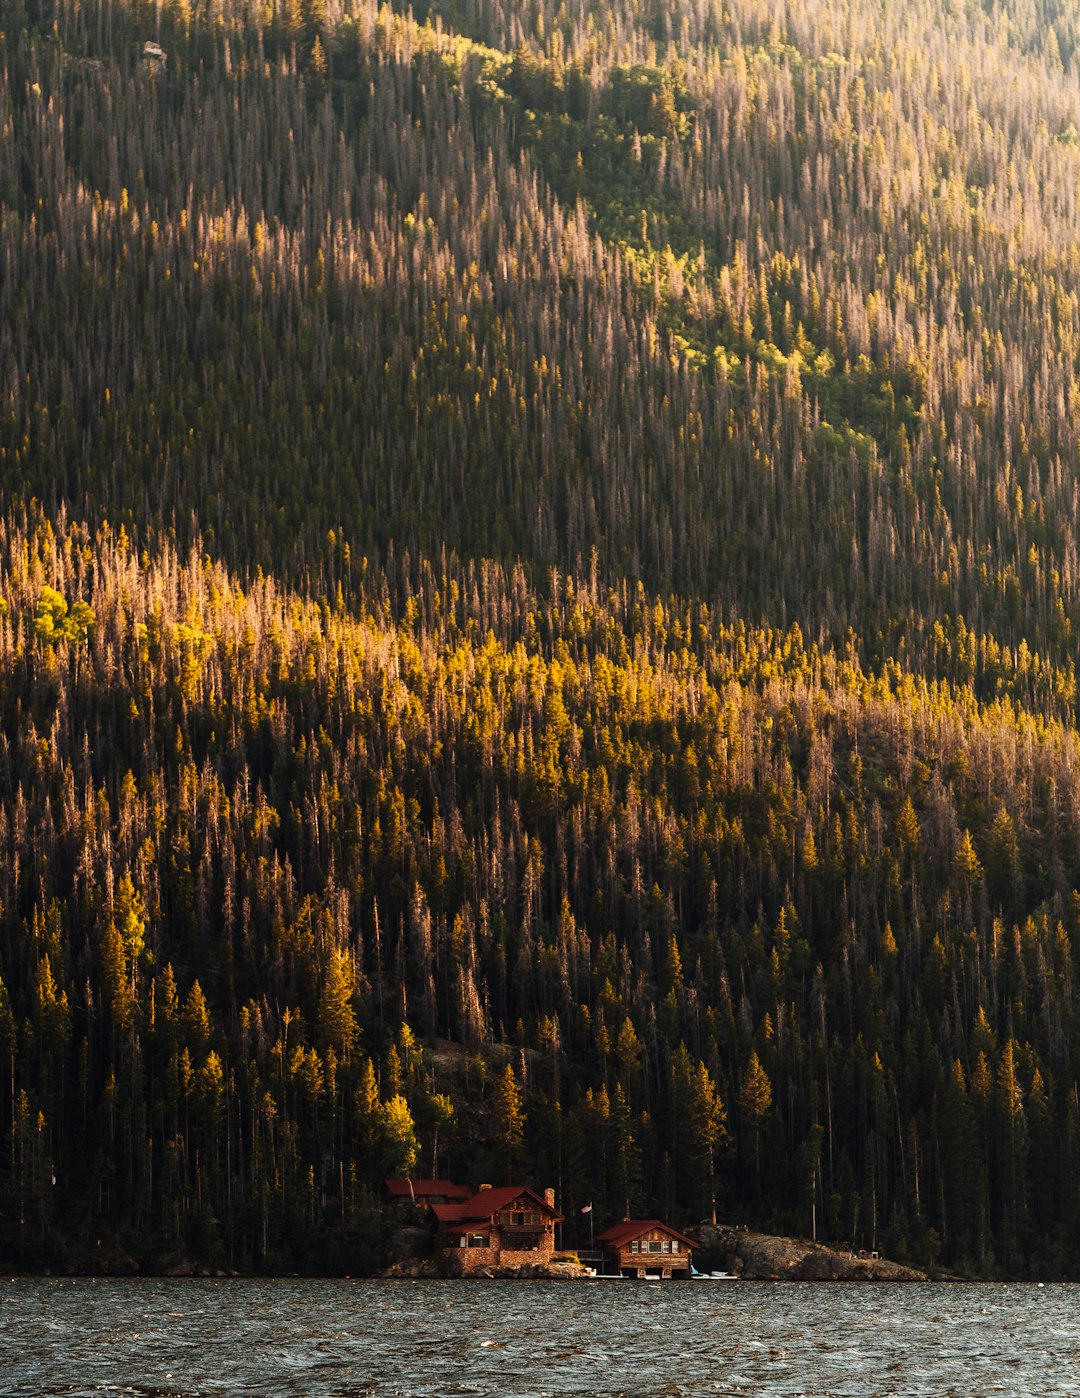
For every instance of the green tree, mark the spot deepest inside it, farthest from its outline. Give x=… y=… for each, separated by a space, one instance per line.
x=338 y=1028
x=509 y=1118
x=708 y=1127
x=755 y=1103
x=399 y=1144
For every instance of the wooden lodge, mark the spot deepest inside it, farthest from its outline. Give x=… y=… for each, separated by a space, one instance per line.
x=645 y=1248
x=403 y=1195
x=510 y=1226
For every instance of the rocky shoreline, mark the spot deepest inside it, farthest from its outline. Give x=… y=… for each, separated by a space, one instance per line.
x=766 y=1257
x=746 y=1255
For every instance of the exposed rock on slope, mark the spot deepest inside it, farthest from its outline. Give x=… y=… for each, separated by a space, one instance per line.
x=763 y=1257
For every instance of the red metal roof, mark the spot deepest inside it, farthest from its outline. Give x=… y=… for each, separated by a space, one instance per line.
x=424 y=1189
x=482 y=1207
x=619 y=1234
x=489 y=1201
x=447 y=1214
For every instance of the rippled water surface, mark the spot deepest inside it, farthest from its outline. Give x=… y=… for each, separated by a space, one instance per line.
x=431 y=1339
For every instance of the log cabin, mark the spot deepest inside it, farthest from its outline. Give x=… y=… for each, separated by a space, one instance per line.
x=404 y=1195
x=645 y=1247
x=510 y=1226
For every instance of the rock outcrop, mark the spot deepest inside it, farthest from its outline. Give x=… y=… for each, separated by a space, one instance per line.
x=416 y=1269
x=409 y=1243
x=763 y=1257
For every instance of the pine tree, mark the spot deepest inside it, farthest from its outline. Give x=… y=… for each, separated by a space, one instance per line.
x=708 y=1127
x=755 y=1102
x=509 y=1119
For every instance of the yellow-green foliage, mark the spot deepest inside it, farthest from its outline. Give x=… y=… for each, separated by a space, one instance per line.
x=604 y=826
x=594 y=687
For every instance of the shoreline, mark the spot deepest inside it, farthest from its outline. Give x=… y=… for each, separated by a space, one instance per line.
x=746 y=1255
x=753 y=1256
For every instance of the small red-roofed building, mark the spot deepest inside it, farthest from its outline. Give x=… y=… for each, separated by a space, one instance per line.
x=509 y=1226
x=423 y=1194
x=645 y=1247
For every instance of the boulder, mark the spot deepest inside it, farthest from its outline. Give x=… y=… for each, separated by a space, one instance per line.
x=416 y=1268
x=766 y=1257
x=408 y=1242
x=183 y=1268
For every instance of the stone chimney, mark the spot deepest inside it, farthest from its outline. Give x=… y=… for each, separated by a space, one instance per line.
x=549 y=1198
x=482 y=1188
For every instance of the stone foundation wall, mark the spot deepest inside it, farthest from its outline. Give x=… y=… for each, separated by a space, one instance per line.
x=471 y=1259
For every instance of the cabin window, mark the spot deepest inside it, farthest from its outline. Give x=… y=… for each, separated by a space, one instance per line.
x=665 y=1245
x=634 y=1246
x=654 y=1246
x=478 y=1240
x=675 y=1247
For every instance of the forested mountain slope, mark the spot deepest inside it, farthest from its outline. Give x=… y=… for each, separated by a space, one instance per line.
x=538 y=587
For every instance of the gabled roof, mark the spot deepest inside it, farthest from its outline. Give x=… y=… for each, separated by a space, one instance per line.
x=619 y=1234
x=482 y=1207
x=425 y=1189
x=489 y=1201
x=447 y=1213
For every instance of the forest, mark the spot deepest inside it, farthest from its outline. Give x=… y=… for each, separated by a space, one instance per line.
x=538 y=603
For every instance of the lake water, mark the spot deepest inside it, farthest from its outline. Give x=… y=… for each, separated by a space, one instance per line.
x=443 y=1339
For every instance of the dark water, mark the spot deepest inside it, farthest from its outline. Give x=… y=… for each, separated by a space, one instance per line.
x=439 y=1339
